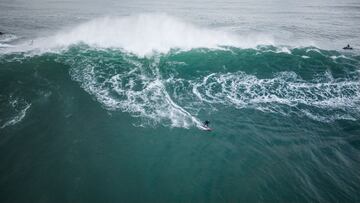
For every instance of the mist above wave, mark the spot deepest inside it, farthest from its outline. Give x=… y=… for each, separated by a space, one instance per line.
x=143 y=34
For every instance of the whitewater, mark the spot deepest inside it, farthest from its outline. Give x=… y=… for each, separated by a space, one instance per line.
x=142 y=34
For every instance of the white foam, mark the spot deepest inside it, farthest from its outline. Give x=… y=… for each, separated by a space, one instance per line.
x=19 y=116
x=340 y=56
x=247 y=91
x=143 y=34
x=326 y=118
x=281 y=49
x=313 y=50
x=284 y=50
x=136 y=92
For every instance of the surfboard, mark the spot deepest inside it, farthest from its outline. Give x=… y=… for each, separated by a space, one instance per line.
x=206 y=128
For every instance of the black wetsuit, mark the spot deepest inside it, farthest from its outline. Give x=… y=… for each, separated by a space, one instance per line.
x=206 y=123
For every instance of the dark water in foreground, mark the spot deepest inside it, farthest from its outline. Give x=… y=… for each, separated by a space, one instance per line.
x=88 y=125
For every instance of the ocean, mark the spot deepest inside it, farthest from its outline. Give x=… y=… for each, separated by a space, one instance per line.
x=104 y=101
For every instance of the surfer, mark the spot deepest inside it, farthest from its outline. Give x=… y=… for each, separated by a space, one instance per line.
x=206 y=124
x=1 y=33
x=348 y=47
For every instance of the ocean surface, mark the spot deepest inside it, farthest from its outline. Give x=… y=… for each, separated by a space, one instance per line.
x=103 y=101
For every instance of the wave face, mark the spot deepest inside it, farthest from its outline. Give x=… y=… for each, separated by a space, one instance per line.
x=173 y=89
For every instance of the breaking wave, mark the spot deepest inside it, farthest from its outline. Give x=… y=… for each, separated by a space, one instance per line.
x=143 y=35
x=185 y=71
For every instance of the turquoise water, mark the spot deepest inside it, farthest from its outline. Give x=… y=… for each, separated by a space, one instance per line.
x=111 y=110
x=94 y=125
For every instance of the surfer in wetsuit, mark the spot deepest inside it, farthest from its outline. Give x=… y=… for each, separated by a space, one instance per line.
x=206 y=123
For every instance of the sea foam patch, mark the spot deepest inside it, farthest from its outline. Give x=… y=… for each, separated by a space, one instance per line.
x=338 y=98
x=18 y=107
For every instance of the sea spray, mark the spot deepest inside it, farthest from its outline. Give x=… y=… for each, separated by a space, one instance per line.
x=142 y=34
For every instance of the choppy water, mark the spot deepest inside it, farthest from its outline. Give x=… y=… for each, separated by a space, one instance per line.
x=109 y=106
